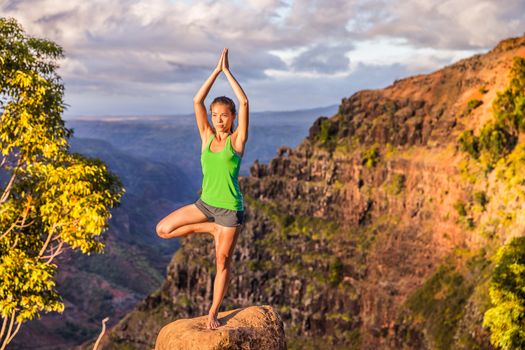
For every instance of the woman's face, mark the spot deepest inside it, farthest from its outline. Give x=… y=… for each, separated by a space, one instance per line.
x=222 y=117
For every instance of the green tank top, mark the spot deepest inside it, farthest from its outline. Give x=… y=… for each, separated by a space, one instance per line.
x=220 y=170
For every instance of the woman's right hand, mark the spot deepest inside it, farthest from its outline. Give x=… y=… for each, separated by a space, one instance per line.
x=218 y=68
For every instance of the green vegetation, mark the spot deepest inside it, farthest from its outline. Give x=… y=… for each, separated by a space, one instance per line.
x=335 y=271
x=496 y=149
x=305 y=248
x=473 y=104
x=495 y=142
x=506 y=318
x=460 y=208
x=469 y=143
x=440 y=302
x=483 y=90
x=53 y=199
x=397 y=184
x=182 y=300
x=499 y=136
x=464 y=219
x=480 y=198
x=389 y=151
x=437 y=307
x=512 y=172
x=370 y=157
x=509 y=186
x=328 y=134
x=338 y=184
x=325 y=135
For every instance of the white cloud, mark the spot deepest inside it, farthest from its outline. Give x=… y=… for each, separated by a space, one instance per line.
x=156 y=48
x=448 y=24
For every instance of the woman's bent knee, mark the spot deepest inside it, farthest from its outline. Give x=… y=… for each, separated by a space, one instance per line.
x=184 y=216
x=160 y=230
x=163 y=231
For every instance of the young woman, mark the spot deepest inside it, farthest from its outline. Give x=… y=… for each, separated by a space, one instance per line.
x=220 y=208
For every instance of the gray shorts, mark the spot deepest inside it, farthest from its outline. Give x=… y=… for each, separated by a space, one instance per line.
x=221 y=216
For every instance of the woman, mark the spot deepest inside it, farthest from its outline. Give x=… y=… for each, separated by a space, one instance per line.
x=220 y=208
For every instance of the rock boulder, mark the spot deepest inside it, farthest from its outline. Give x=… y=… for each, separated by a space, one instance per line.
x=254 y=327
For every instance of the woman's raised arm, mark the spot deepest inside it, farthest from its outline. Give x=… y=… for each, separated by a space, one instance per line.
x=198 y=100
x=242 y=128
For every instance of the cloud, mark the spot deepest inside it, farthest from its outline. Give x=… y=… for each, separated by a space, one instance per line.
x=448 y=24
x=323 y=58
x=168 y=48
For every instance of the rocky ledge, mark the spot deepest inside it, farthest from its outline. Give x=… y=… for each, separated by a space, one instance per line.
x=254 y=327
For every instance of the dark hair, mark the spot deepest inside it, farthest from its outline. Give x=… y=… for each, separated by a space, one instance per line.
x=225 y=101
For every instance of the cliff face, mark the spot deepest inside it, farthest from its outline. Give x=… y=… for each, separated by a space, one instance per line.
x=357 y=236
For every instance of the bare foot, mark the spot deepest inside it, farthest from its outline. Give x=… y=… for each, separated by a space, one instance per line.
x=213 y=322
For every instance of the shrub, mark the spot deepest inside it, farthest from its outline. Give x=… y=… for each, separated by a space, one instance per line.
x=397 y=184
x=370 y=157
x=507 y=293
x=460 y=208
x=509 y=106
x=335 y=274
x=469 y=143
x=495 y=142
x=473 y=104
x=499 y=136
x=481 y=198
x=483 y=90
x=398 y=180
x=328 y=132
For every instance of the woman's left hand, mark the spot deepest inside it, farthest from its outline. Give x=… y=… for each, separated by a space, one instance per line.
x=225 y=66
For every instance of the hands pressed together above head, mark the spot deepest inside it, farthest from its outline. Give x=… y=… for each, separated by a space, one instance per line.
x=222 y=65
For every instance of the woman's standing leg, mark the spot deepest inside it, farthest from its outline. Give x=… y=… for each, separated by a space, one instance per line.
x=225 y=240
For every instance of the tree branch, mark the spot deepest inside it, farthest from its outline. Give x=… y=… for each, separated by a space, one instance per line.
x=4 y=324
x=8 y=334
x=24 y=217
x=58 y=251
x=101 y=333
x=46 y=243
x=15 y=332
x=10 y=184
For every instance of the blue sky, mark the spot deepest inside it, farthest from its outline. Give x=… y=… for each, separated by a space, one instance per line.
x=149 y=57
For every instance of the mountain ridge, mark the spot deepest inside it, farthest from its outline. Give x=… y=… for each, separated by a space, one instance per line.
x=361 y=234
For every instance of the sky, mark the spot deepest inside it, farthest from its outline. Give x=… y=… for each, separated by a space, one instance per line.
x=150 y=57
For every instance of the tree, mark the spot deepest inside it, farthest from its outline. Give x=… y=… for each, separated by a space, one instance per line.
x=506 y=318
x=50 y=199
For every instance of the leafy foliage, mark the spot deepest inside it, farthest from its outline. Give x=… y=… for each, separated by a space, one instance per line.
x=460 y=208
x=52 y=199
x=434 y=314
x=480 y=197
x=495 y=141
x=506 y=318
x=327 y=134
x=370 y=157
x=499 y=136
x=397 y=184
x=469 y=143
x=473 y=104
x=27 y=286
